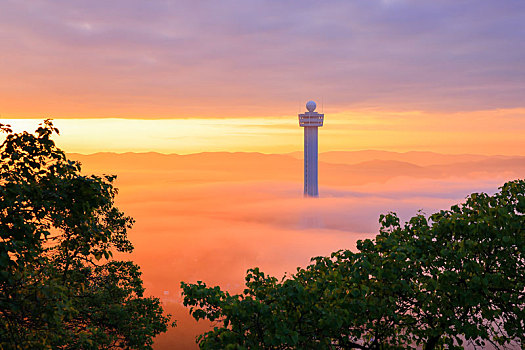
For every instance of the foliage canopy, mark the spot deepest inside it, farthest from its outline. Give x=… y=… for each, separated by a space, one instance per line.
x=60 y=288
x=455 y=277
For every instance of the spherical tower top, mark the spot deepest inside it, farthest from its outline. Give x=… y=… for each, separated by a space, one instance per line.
x=310 y=106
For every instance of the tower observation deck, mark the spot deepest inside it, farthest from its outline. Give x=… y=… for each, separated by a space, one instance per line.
x=310 y=121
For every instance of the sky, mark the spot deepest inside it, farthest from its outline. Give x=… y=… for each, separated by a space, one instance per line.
x=390 y=74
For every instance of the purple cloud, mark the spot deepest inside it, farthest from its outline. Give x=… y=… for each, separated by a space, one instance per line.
x=445 y=55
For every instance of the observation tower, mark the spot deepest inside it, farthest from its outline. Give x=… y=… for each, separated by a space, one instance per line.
x=310 y=121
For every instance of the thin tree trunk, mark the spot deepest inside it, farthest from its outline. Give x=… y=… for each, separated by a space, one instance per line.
x=431 y=343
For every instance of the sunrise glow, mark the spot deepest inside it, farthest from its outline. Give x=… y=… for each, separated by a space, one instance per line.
x=194 y=107
x=487 y=132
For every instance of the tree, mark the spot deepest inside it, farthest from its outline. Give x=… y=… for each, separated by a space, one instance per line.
x=453 y=278
x=60 y=288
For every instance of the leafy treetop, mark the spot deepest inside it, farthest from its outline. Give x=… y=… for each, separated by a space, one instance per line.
x=455 y=277
x=59 y=285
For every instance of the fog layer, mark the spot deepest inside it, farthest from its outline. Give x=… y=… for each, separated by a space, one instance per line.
x=211 y=216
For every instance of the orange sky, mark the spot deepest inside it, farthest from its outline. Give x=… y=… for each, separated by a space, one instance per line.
x=391 y=74
x=478 y=132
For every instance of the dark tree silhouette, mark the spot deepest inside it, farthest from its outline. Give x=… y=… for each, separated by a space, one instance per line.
x=453 y=278
x=60 y=288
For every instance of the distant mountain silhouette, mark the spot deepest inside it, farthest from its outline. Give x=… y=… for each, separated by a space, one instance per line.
x=335 y=168
x=417 y=157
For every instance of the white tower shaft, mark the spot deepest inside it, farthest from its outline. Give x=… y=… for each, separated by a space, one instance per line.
x=311 y=121
x=310 y=162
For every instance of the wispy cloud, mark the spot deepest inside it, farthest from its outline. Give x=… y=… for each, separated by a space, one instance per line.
x=133 y=58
